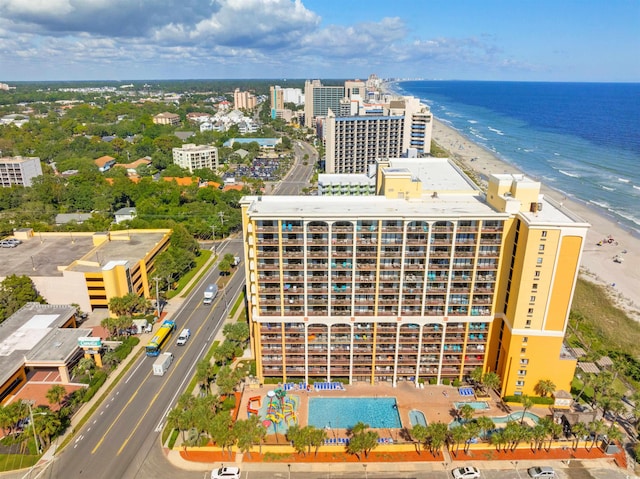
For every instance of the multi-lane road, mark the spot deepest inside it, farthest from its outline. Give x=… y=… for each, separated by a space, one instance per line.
x=300 y=174
x=122 y=433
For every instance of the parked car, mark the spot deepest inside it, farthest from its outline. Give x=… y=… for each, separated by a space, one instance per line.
x=466 y=473
x=541 y=471
x=7 y=244
x=229 y=472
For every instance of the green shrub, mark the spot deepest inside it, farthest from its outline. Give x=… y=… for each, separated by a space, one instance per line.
x=432 y=380
x=173 y=438
x=456 y=382
x=229 y=403
x=272 y=380
x=446 y=381
x=97 y=381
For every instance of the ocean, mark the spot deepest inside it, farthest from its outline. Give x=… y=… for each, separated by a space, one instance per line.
x=582 y=139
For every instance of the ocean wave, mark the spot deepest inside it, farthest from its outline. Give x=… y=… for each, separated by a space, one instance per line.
x=601 y=204
x=473 y=121
x=623 y=180
x=566 y=173
x=636 y=187
x=628 y=217
x=556 y=154
x=607 y=188
x=496 y=131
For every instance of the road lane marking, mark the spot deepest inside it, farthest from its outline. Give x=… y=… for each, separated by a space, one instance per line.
x=120 y=414
x=171 y=372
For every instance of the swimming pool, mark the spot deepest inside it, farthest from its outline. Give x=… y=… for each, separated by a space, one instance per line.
x=343 y=413
x=514 y=416
x=478 y=405
x=417 y=417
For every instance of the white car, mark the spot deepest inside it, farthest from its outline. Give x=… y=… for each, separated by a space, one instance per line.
x=541 y=471
x=466 y=473
x=229 y=472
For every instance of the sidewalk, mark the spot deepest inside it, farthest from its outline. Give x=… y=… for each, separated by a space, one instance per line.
x=170 y=309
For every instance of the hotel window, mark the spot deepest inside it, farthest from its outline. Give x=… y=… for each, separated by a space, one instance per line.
x=534 y=286
x=544 y=234
x=530 y=311
x=522 y=372
x=528 y=324
x=539 y=261
x=524 y=362
x=519 y=384
x=523 y=350
x=541 y=247
x=525 y=339
x=532 y=299
x=537 y=275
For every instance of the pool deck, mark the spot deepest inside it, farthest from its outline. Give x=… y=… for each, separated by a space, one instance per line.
x=435 y=402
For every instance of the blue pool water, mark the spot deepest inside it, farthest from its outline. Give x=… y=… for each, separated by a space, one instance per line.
x=479 y=405
x=343 y=413
x=514 y=416
x=417 y=417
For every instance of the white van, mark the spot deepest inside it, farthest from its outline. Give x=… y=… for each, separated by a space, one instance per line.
x=183 y=337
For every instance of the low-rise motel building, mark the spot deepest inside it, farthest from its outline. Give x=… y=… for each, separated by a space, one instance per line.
x=87 y=269
x=39 y=341
x=425 y=281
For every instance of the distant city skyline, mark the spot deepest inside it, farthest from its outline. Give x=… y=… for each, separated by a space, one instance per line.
x=543 y=40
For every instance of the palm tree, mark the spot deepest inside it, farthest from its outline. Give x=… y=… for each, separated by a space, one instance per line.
x=587 y=381
x=205 y=374
x=538 y=435
x=178 y=419
x=46 y=425
x=437 y=436
x=56 y=394
x=614 y=434
x=596 y=428
x=476 y=375
x=545 y=387
x=473 y=430
x=362 y=440
x=220 y=430
x=248 y=432
x=527 y=403
x=485 y=424
x=491 y=380
x=85 y=366
x=466 y=412
x=296 y=435
x=498 y=439
x=457 y=435
x=317 y=437
x=419 y=433
x=579 y=430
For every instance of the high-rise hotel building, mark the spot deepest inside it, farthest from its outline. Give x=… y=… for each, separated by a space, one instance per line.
x=353 y=143
x=427 y=280
x=319 y=99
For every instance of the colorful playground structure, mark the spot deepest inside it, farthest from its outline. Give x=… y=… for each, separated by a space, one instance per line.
x=280 y=410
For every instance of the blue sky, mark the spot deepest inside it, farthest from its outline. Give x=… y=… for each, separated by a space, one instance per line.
x=544 y=40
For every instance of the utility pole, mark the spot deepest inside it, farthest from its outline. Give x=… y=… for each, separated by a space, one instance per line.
x=213 y=228
x=33 y=426
x=157 y=280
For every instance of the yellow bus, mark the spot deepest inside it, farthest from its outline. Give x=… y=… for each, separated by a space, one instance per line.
x=161 y=337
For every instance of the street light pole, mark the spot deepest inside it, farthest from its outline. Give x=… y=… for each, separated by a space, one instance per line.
x=213 y=228
x=157 y=280
x=33 y=426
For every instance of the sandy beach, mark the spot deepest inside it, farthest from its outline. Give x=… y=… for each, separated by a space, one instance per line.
x=622 y=279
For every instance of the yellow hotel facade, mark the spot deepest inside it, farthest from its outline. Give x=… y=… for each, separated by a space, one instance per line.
x=425 y=281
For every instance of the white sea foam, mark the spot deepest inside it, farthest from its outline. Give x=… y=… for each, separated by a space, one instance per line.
x=636 y=187
x=607 y=188
x=473 y=121
x=600 y=204
x=566 y=173
x=629 y=217
x=623 y=180
x=496 y=131
x=556 y=154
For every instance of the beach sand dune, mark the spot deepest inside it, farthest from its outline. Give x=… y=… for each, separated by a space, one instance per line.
x=607 y=242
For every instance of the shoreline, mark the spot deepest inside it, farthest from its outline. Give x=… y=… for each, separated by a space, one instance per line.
x=597 y=263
